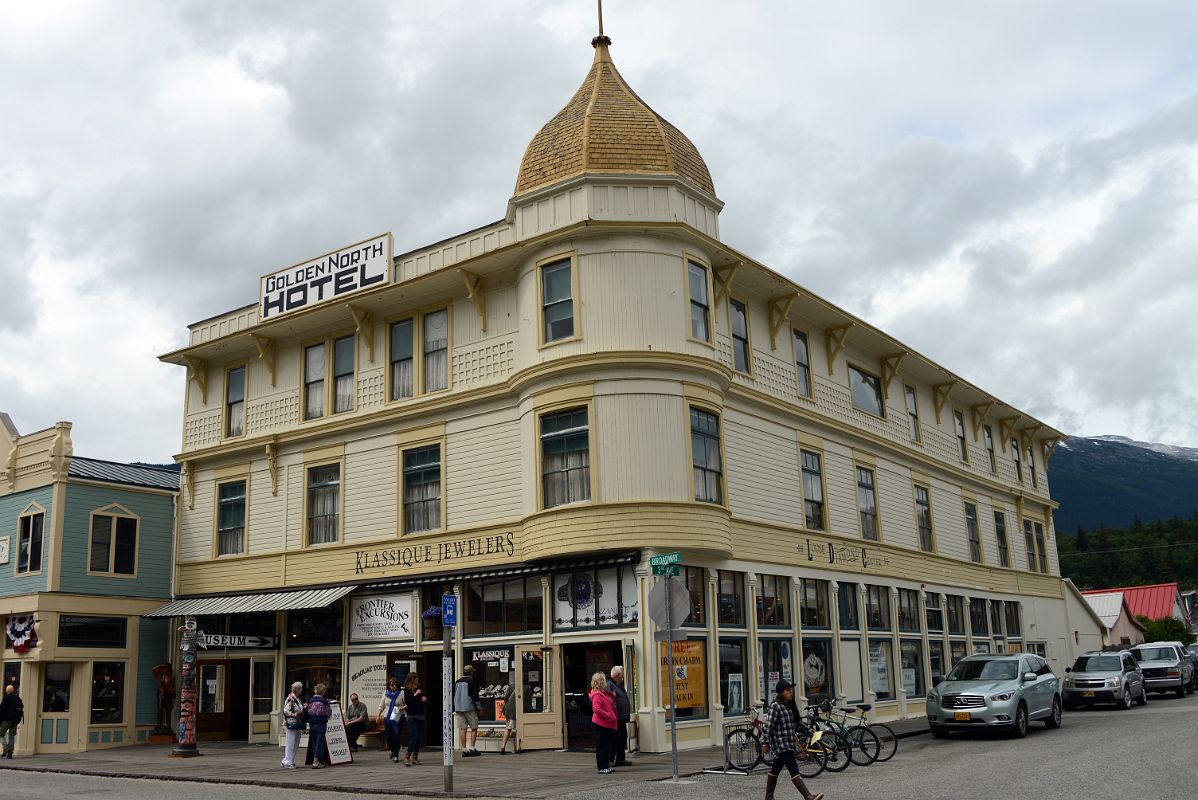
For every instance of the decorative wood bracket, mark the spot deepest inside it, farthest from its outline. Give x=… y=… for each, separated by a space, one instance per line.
x=1027 y=435
x=834 y=341
x=1007 y=426
x=61 y=451
x=272 y=463
x=364 y=327
x=779 y=308
x=978 y=413
x=890 y=368
x=941 y=393
x=197 y=370
x=266 y=353
x=723 y=280
x=1050 y=447
x=476 y=293
x=10 y=467
x=188 y=482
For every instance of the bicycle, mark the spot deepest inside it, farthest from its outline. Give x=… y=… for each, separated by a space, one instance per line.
x=887 y=740
x=745 y=750
x=837 y=748
x=863 y=743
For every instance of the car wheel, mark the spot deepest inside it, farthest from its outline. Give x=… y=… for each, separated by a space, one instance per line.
x=1143 y=696
x=1125 y=704
x=1070 y=706
x=1054 y=719
x=1190 y=687
x=1020 y=728
x=938 y=731
x=1181 y=691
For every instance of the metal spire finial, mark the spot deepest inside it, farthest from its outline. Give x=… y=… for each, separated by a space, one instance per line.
x=601 y=40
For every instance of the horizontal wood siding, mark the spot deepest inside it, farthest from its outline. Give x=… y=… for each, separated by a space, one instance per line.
x=948 y=521
x=268 y=512
x=197 y=525
x=11 y=506
x=840 y=478
x=155 y=538
x=483 y=469
x=642 y=449
x=896 y=505
x=582 y=529
x=370 y=484
x=762 y=470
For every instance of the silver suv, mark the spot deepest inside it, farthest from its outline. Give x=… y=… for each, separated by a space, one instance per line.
x=1165 y=668
x=995 y=691
x=1105 y=678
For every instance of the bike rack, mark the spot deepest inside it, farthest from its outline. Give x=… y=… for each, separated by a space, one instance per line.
x=728 y=768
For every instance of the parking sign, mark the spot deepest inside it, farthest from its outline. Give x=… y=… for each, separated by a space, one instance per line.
x=449 y=610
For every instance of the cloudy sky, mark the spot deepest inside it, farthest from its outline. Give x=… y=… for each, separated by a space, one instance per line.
x=1009 y=188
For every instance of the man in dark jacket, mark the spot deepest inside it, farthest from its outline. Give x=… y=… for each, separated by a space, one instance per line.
x=623 y=715
x=12 y=714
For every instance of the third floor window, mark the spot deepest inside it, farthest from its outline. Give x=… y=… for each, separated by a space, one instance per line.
x=557 y=301
x=700 y=308
x=565 y=458
x=867 y=391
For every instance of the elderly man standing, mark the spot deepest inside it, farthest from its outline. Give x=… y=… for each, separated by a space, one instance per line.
x=12 y=714
x=623 y=715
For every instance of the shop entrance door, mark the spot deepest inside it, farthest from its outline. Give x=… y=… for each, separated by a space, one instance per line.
x=224 y=690
x=581 y=660
x=538 y=681
x=60 y=690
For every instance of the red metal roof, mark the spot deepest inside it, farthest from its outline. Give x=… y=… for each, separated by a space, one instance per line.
x=1156 y=601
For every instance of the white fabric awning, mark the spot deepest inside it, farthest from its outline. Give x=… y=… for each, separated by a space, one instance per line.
x=250 y=603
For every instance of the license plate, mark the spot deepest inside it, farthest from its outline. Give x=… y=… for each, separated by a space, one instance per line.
x=962 y=716
x=1087 y=694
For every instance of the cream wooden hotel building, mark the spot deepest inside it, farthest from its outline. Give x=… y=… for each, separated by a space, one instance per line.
x=526 y=412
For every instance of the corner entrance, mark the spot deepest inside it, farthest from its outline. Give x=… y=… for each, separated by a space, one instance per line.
x=579 y=662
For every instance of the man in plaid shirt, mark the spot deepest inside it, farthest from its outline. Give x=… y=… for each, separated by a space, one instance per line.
x=780 y=731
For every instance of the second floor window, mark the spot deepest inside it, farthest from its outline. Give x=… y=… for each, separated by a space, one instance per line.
x=113 y=545
x=230 y=515
x=988 y=438
x=324 y=504
x=867 y=391
x=959 y=430
x=557 y=301
x=565 y=458
x=700 y=310
x=923 y=518
x=316 y=377
x=1030 y=544
x=422 y=489
x=739 y=317
x=433 y=328
x=1000 y=535
x=1041 y=548
x=705 y=456
x=813 y=491
x=29 y=543
x=235 y=401
x=912 y=413
x=975 y=537
x=803 y=363
x=867 y=503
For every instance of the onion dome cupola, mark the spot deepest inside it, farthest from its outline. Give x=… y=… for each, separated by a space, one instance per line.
x=607 y=128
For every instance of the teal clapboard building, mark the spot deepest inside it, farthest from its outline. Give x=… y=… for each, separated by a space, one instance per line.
x=86 y=548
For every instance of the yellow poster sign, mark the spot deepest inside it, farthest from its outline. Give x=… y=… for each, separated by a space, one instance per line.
x=690 y=673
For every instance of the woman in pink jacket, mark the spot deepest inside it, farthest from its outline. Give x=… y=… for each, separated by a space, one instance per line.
x=603 y=716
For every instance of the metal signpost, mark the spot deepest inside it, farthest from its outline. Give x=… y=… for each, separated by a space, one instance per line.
x=449 y=620
x=669 y=605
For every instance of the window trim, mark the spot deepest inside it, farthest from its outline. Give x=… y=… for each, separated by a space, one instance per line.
x=330 y=389
x=960 y=434
x=114 y=510
x=705 y=409
x=1002 y=545
x=687 y=260
x=550 y=409
x=570 y=256
x=416 y=317
x=873 y=471
x=1014 y=444
x=850 y=368
x=1031 y=467
x=31 y=510
x=913 y=421
x=245 y=395
x=794 y=359
x=988 y=441
x=931 y=520
x=823 y=481
x=748 y=336
x=1029 y=538
x=314 y=460
x=239 y=473
x=401 y=520
x=974 y=535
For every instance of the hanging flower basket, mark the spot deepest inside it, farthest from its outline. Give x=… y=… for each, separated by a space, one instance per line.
x=431 y=621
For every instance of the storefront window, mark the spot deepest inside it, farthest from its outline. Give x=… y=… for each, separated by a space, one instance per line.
x=731 y=590
x=880 y=679
x=57 y=693
x=932 y=612
x=12 y=675
x=493 y=671
x=877 y=608
x=773 y=662
x=908 y=610
x=911 y=660
x=91 y=631
x=958 y=651
x=538 y=683
x=955 y=606
x=813 y=595
x=818 y=683
x=981 y=647
x=264 y=687
x=690 y=677
x=936 y=658
x=604 y=598
x=770 y=595
x=108 y=692
x=311 y=670
x=316 y=627
x=212 y=688
x=696 y=583
x=732 y=677
x=1014 y=628
x=977 y=616
x=848 y=607
x=996 y=618
x=495 y=608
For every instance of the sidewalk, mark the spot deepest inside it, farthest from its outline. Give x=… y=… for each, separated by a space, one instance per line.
x=532 y=776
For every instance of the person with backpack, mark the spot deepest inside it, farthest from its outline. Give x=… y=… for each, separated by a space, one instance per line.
x=466 y=707
x=780 y=730
x=12 y=714
x=319 y=712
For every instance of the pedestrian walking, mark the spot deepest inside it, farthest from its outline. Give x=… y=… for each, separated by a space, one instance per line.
x=509 y=712
x=319 y=712
x=780 y=731
x=466 y=706
x=12 y=714
x=623 y=716
x=293 y=723
x=391 y=711
x=413 y=697
x=603 y=716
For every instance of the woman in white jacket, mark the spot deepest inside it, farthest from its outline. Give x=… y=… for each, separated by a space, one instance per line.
x=293 y=726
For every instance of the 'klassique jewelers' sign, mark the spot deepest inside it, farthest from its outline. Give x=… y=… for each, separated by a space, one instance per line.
x=380 y=617
x=333 y=275
x=417 y=555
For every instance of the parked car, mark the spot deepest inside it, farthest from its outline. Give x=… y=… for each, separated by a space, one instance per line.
x=1099 y=677
x=1192 y=655
x=995 y=691
x=1165 y=668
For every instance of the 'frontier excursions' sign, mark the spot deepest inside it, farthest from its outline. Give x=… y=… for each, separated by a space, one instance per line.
x=333 y=275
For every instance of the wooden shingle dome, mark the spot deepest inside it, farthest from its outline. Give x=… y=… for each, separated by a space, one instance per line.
x=606 y=128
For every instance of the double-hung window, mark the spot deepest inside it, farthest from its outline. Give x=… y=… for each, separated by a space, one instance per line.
x=29 y=543
x=700 y=308
x=705 y=456
x=557 y=300
x=434 y=327
x=113 y=548
x=1031 y=467
x=912 y=413
x=959 y=430
x=1041 y=548
x=867 y=391
x=432 y=330
x=975 y=537
x=1029 y=544
x=314 y=381
x=235 y=402
x=402 y=374
x=813 y=490
x=739 y=317
x=1000 y=533
x=343 y=374
x=230 y=515
x=923 y=518
x=565 y=458
x=988 y=438
x=803 y=363
x=1018 y=463
x=813 y=603
x=316 y=377
x=422 y=488
x=867 y=503
x=324 y=504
